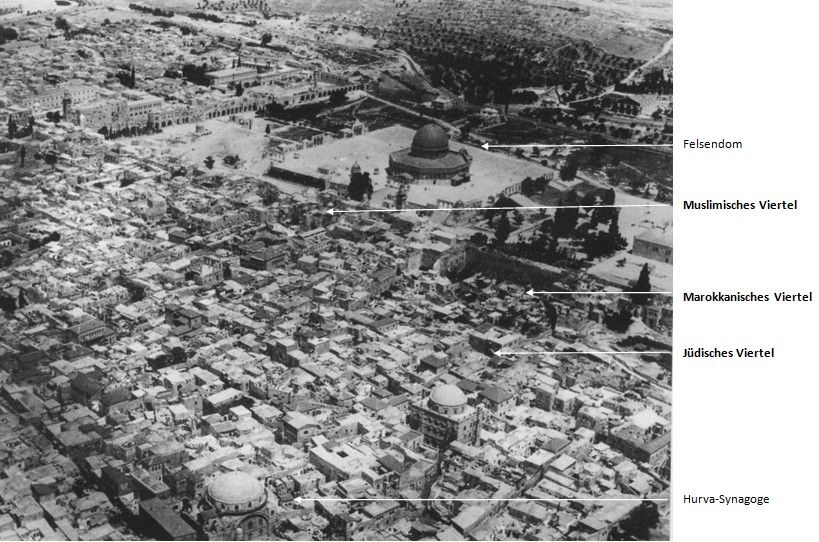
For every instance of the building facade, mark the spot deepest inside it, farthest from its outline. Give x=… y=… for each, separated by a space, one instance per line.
x=445 y=417
x=235 y=508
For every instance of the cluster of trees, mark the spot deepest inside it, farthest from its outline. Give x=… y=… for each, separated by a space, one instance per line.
x=621 y=320
x=14 y=130
x=568 y=171
x=337 y=98
x=151 y=11
x=597 y=243
x=360 y=186
x=653 y=82
x=543 y=247
x=54 y=116
x=529 y=186
x=301 y=112
x=212 y=17
x=131 y=131
x=127 y=77
x=633 y=178
x=638 y=525
x=267 y=37
x=61 y=24
x=6 y=258
x=7 y=34
x=8 y=304
x=193 y=73
x=34 y=244
x=523 y=97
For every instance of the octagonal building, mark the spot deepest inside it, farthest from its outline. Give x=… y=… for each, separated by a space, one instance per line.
x=430 y=160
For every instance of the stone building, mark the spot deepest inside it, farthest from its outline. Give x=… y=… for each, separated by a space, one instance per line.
x=655 y=245
x=444 y=417
x=235 y=508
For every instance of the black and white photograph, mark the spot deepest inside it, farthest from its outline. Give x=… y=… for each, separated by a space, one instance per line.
x=336 y=269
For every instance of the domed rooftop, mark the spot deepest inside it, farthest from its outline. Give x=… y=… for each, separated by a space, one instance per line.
x=235 y=488
x=448 y=395
x=430 y=139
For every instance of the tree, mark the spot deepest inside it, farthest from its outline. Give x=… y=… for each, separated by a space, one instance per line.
x=527 y=187
x=209 y=161
x=643 y=285
x=273 y=109
x=566 y=217
x=51 y=159
x=61 y=24
x=337 y=97
x=401 y=196
x=267 y=129
x=6 y=257
x=266 y=39
x=614 y=230
x=360 y=185
x=8 y=34
x=608 y=197
x=240 y=89
x=137 y=293
x=479 y=239
x=568 y=171
x=619 y=322
x=502 y=230
x=638 y=524
x=22 y=156
x=12 y=127
x=178 y=355
x=551 y=315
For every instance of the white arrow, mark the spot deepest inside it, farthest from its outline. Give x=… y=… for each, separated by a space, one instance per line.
x=554 y=353
x=299 y=500
x=487 y=146
x=615 y=206
x=533 y=292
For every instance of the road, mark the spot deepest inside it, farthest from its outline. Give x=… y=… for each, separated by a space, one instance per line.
x=440 y=122
x=633 y=73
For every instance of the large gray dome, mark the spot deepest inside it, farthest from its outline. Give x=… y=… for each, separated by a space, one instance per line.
x=448 y=395
x=430 y=139
x=232 y=488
